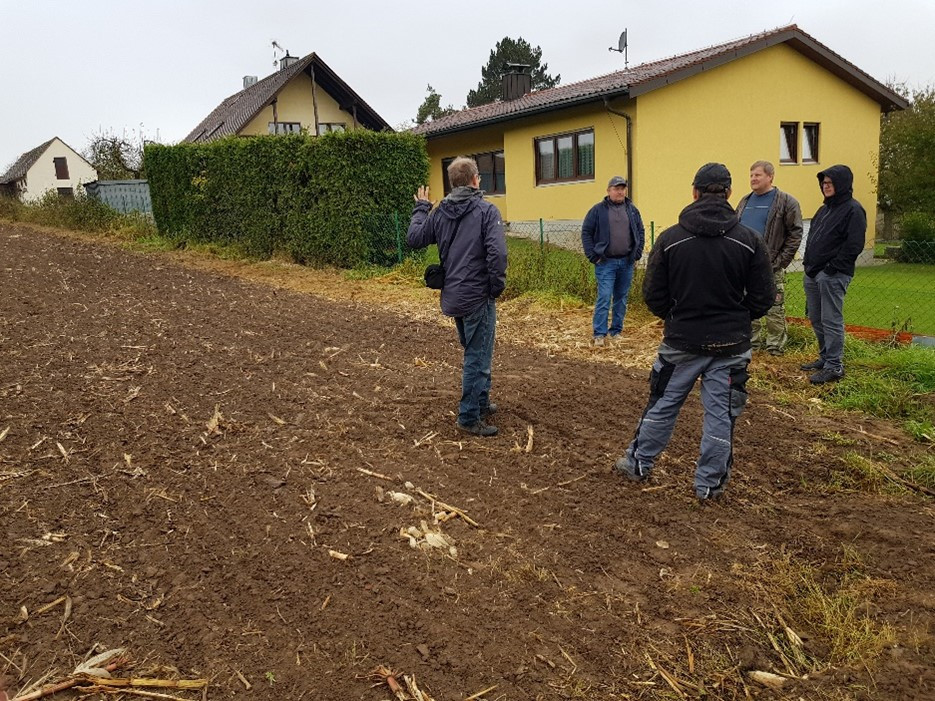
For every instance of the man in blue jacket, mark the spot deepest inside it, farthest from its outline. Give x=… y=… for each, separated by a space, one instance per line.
x=472 y=251
x=835 y=239
x=708 y=277
x=612 y=236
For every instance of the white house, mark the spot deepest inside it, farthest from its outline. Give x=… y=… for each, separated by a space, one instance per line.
x=53 y=165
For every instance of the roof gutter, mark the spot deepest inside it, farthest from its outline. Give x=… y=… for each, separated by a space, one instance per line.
x=629 y=141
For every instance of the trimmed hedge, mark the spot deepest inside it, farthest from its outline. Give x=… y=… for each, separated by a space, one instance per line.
x=339 y=199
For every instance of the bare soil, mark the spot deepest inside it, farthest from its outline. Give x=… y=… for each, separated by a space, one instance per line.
x=190 y=455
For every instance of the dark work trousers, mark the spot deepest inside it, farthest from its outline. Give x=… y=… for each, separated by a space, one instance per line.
x=723 y=396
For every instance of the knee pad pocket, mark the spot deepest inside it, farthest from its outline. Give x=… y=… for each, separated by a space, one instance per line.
x=659 y=379
x=738 y=391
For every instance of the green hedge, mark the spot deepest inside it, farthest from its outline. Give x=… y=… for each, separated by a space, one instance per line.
x=340 y=199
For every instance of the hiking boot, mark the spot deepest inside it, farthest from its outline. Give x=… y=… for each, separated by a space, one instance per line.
x=489 y=410
x=598 y=341
x=814 y=365
x=826 y=375
x=776 y=352
x=484 y=430
x=634 y=473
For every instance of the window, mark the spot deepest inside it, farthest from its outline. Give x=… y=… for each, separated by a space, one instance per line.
x=66 y=192
x=61 y=168
x=285 y=127
x=789 y=142
x=491 y=167
x=325 y=127
x=565 y=157
x=810 y=142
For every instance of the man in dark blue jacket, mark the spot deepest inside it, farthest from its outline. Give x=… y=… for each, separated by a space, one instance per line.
x=472 y=251
x=708 y=277
x=835 y=239
x=612 y=236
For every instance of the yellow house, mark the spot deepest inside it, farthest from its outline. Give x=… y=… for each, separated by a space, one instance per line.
x=304 y=94
x=779 y=96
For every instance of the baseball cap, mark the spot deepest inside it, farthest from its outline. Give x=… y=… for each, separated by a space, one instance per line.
x=617 y=180
x=712 y=174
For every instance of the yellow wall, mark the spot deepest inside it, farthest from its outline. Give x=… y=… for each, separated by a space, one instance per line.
x=729 y=114
x=732 y=115
x=295 y=105
x=524 y=200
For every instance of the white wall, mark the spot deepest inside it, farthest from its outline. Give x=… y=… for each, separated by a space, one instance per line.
x=41 y=177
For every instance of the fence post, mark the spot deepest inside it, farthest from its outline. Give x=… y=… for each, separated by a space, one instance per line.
x=399 y=241
x=541 y=235
x=652 y=234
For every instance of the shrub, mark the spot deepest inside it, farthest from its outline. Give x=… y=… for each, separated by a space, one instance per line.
x=918 y=238
x=339 y=199
x=79 y=213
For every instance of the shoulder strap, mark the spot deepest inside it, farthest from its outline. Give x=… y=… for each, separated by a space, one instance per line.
x=441 y=257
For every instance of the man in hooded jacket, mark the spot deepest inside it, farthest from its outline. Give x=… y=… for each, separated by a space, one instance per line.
x=835 y=240
x=708 y=277
x=472 y=252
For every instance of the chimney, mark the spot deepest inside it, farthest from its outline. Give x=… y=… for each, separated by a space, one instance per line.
x=248 y=80
x=516 y=82
x=287 y=61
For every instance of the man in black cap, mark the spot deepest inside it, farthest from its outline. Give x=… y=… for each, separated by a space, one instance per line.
x=708 y=277
x=612 y=236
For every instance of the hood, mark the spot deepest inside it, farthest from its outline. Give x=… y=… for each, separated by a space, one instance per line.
x=709 y=215
x=843 y=180
x=459 y=201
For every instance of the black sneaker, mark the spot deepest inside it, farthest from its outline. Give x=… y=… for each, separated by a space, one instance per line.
x=632 y=472
x=826 y=375
x=489 y=410
x=775 y=352
x=814 y=365
x=482 y=429
x=709 y=496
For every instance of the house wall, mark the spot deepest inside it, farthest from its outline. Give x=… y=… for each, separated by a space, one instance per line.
x=41 y=177
x=732 y=115
x=524 y=200
x=295 y=105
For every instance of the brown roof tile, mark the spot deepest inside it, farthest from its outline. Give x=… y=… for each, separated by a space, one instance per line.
x=22 y=164
x=649 y=76
x=235 y=112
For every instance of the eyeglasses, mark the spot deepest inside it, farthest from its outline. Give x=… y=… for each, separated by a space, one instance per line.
x=826 y=182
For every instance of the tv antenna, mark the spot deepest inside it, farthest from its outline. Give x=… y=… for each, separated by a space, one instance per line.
x=621 y=47
x=275 y=47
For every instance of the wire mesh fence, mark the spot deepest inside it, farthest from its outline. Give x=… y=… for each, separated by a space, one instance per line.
x=893 y=290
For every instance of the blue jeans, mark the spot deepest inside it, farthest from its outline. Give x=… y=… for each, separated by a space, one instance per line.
x=614 y=276
x=476 y=331
x=723 y=397
x=824 y=303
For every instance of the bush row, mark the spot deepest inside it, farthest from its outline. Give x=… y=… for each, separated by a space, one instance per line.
x=339 y=199
x=79 y=213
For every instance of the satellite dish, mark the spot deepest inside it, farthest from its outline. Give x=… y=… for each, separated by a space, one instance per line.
x=621 y=47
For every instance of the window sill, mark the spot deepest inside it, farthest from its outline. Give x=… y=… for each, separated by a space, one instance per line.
x=566 y=182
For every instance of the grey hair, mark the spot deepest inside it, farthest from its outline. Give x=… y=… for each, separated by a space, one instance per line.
x=766 y=166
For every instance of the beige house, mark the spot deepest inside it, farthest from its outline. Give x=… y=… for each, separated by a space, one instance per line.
x=304 y=94
x=52 y=166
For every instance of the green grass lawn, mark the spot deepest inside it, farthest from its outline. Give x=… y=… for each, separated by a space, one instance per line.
x=880 y=296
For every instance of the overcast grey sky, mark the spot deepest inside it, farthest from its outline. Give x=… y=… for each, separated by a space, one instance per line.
x=71 y=69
